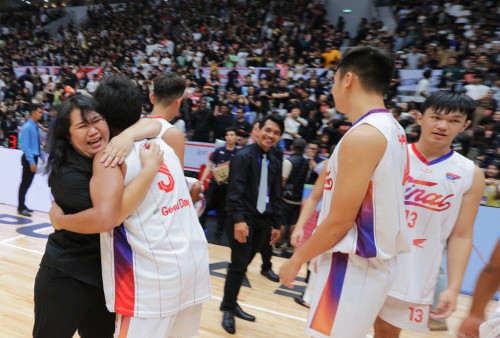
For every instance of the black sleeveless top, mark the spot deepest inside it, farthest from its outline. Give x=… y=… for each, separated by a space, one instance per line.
x=77 y=255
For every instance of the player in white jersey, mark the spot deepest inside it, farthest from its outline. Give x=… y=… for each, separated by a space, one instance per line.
x=442 y=197
x=155 y=265
x=361 y=222
x=166 y=98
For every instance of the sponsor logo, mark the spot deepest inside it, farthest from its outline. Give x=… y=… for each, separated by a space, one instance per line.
x=177 y=206
x=418 y=242
x=452 y=177
x=328 y=181
x=402 y=140
x=417 y=195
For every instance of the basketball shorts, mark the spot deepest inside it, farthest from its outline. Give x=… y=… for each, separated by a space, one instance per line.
x=406 y=315
x=348 y=295
x=183 y=324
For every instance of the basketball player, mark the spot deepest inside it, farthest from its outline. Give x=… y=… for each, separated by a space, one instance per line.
x=361 y=222
x=486 y=286
x=155 y=265
x=442 y=197
x=166 y=98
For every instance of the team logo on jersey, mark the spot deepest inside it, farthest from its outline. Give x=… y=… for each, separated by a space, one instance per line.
x=402 y=140
x=167 y=186
x=418 y=242
x=416 y=194
x=452 y=177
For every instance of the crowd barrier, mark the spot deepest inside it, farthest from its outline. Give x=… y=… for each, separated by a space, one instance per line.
x=486 y=230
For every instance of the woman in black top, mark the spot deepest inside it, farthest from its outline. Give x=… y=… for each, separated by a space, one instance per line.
x=68 y=287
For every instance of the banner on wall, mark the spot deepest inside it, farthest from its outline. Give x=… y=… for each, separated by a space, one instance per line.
x=54 y=71
x=410 y=78
x=258 y=72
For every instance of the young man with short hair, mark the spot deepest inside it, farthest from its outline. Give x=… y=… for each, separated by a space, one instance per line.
x=253 y=206
x=215 y=195
x=361 y=222
x=30 y=145
x=442 y=197
x=166 y=98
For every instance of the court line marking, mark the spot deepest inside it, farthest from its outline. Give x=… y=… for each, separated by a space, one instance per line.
x=266 y=310
x=5 y=242
x=40 y=230
x=21 y=248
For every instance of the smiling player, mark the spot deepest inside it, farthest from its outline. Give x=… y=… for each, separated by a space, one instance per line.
x=442 y=197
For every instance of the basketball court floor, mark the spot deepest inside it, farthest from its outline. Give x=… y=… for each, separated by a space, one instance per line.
x=22 y=243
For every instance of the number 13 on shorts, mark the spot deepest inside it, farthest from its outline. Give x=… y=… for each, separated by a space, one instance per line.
x=418 y=316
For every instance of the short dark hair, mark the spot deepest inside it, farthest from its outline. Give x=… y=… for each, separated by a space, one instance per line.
x=449 y=102
x=373 y=66
x=274 y=119
x=229 y=129
x=168 y=87
x=35 y=106
x=299 y=144
x=118 y=99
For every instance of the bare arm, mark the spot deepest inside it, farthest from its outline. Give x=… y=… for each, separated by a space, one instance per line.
x=175 y=139
x=206 y=172
x=105 y=213
x=308 y=208
x=460 y=246
x=135 y=192
x=120 y=146
x=106 y=188
x=352 y=182
x=486 y=286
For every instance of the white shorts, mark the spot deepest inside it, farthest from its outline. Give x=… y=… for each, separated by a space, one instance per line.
x=348 y=295
x=406 y=315
x=183 y=324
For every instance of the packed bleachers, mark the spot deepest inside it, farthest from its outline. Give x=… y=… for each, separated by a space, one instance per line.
x=264 y=57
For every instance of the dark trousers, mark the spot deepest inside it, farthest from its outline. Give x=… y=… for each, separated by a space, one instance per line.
x=259 y=231
x=25 y=182
x=216 y=200
x=64 y=305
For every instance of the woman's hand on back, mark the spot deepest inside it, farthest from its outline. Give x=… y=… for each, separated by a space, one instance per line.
x=54 y=213
x=151 y=156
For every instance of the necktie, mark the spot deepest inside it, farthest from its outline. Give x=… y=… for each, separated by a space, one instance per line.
x=261 y=199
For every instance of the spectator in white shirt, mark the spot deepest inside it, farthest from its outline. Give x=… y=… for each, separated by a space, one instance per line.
x=477 y=91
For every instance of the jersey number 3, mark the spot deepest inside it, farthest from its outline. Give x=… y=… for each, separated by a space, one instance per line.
x=167 y=185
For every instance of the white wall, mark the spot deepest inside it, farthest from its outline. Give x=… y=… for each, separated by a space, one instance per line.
x=38 y=196
x=360 y=9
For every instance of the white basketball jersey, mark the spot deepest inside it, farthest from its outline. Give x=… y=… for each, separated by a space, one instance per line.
x=156 y=263
x=379 y=228
x=433 y=197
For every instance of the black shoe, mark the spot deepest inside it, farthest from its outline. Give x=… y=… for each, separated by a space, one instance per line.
x=24 y=212
x=270 y=275
x=301 y=301
x=29 y=210
x=228 y=322
x=238 y=312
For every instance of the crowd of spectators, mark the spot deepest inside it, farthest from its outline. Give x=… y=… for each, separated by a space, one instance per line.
x=142 y=39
